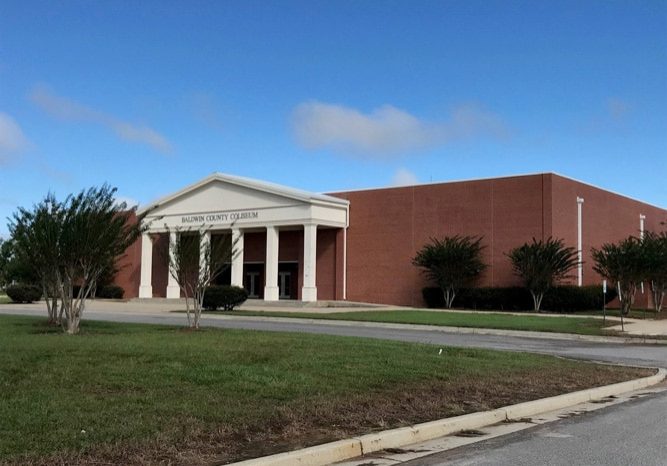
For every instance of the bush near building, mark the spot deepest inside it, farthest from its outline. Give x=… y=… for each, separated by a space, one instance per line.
x=224 y=297
x=110 y=292
x=24 y=293
x=557 y=299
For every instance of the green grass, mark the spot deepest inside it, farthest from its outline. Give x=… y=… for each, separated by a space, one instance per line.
x=577 y=325
x=4 y=299
x=130 y=393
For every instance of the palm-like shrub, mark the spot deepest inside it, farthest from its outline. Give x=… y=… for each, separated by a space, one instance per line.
x=451 y=263
x=542 y=264
x=623 y=263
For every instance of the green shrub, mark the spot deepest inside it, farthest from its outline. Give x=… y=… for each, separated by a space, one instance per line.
x=574 y=298
x=110 y=292
x=224 y=296
x=557 y=299
x=24 y=293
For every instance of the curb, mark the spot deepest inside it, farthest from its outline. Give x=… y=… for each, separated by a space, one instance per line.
x=447 y=329
x=341 y=450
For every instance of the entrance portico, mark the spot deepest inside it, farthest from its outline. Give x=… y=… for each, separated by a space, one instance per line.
x=235 y=206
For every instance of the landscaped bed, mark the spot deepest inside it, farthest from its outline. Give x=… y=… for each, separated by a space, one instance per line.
x=503 y=321
x=131 y=394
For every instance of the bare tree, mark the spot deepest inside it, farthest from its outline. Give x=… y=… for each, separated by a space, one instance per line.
x=542 y=264
x=195 y=260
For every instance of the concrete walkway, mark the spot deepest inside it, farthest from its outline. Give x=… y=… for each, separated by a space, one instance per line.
x=633 y=327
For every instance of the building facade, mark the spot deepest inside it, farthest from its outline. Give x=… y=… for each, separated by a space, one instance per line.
x=359 y=245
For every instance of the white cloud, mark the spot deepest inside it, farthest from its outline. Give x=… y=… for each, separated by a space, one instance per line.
x=404 y=177
x=387 y=130
x=66 y=109
x=12 y=139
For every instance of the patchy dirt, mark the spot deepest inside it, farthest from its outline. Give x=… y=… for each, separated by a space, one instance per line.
x=316 y=421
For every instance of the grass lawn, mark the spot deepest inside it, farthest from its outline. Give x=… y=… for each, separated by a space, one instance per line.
x=579 y=325
x=146 y=394
x=4 y=299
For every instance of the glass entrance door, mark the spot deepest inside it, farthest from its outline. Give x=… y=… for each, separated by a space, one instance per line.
x=285 y=285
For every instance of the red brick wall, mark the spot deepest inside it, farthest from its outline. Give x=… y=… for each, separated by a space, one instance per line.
x=606 y=218
x=325 y=276
x=388 y=226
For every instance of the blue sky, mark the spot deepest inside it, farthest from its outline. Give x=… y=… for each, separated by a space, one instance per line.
x=324 y=96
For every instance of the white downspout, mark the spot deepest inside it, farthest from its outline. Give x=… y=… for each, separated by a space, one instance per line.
x=580 y=255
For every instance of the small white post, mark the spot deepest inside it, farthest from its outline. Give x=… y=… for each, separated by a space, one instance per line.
x=580 y=255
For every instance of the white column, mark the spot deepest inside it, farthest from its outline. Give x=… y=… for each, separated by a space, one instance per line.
x=309 y=290
x=173 y=290
x=271 y=265
x=641 y=225
x=145 y=286
x=237 y=257
x=580 y=256
x=204 y=249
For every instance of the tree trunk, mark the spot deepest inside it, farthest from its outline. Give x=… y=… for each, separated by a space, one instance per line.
x=537 y=300
x=658 y=293
x=449 y=294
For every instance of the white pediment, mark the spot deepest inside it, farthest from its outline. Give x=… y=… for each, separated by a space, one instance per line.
x=220 y=196
x=220 y=200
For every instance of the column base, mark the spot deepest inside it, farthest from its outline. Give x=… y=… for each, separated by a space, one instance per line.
x=173 y=292
x=309 y=293
x=271 y=293
x=146 y=291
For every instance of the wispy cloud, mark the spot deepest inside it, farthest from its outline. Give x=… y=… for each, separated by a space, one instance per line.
x=387 y=130
x=617 y=108
x=204 y=108
x=12 y=139
x=614 y=115
x=404 y=177
x=67 y=109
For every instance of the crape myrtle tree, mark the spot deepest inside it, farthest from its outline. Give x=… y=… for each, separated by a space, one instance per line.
x=451 y=263
x=71 y=244
x=655 y=248
x=624 y=264
x=36 y=235
x=195 y=260
x=542 y=264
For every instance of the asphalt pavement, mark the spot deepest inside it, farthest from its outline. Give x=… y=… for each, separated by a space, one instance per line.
x=631 y=433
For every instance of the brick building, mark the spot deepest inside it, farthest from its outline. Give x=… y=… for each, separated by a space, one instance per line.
x=358 y=245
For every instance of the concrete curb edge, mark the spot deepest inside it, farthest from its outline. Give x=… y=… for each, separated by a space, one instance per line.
x=341 y=450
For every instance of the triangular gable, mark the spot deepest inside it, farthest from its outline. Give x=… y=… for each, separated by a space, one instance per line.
x=218 y=195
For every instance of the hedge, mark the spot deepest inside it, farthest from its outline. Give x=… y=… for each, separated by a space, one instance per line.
x=558 y=299
x=224 y=296
x=24 y=293
x=110 y=292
